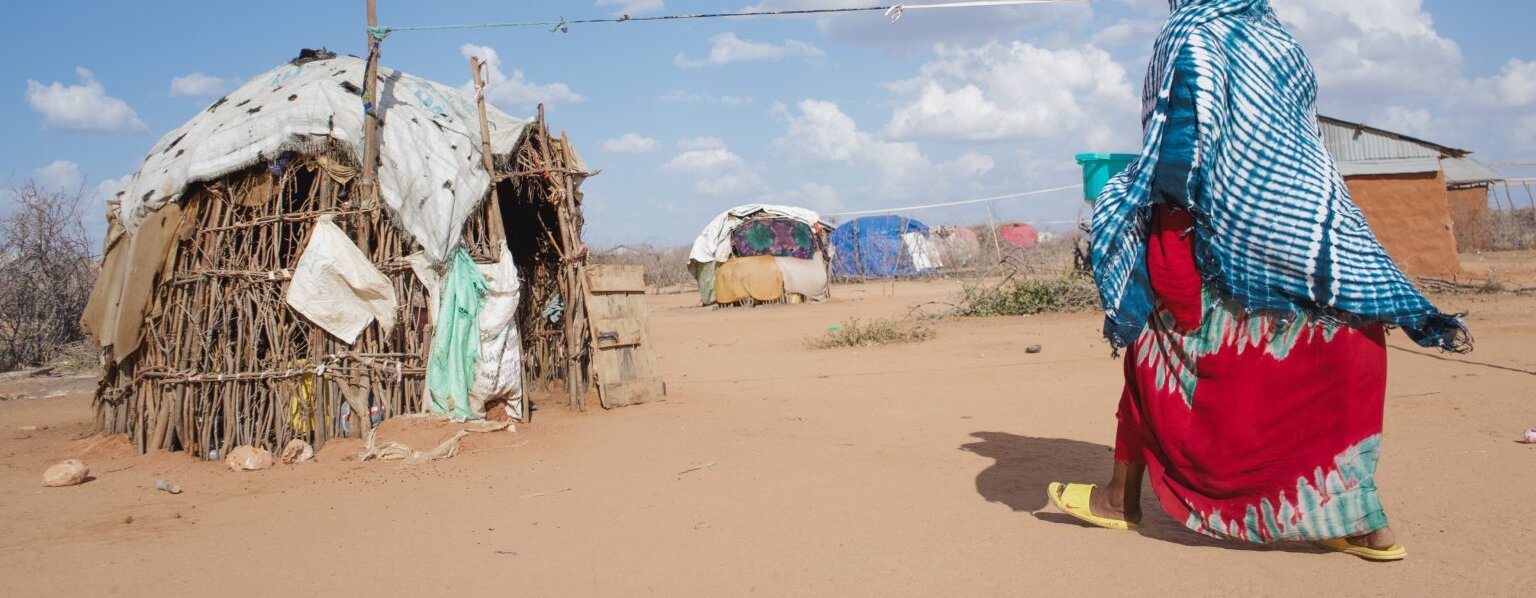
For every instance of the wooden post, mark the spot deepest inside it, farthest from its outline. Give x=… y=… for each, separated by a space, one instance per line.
x=370 y=182
x=997 y=244
x=499 y=230
x=577 y=333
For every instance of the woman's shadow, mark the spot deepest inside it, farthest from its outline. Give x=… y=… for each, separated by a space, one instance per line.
x=1023 y=466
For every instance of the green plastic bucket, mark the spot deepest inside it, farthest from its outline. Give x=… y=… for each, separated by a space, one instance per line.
x=1098 y=169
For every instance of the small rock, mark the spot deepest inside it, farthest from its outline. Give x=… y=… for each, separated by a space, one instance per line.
x=1033 y=349
x=248 y=458
x=168 y=486
x=128 y=519
x=297 y=451
x=68 y=473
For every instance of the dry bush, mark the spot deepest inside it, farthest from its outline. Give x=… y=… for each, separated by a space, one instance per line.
x=992 y=255
x=47 y=267
x=887 y=331
x=664 y=266
x=1027 y=296
x=1512 y=230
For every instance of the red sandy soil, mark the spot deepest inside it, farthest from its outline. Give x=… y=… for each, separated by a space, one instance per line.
x=774 y=469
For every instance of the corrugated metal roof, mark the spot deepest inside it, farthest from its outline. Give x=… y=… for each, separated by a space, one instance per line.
x=1353 y=142
x=1401 y=166
x=1463 y=171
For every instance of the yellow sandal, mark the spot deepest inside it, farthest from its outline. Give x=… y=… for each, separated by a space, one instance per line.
x=1072 y=499
x=1381 y=555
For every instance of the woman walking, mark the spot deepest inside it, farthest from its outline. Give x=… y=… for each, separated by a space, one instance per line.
x=1253 y=300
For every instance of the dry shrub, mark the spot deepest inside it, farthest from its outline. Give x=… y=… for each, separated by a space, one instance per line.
x=664 y=266
x=1512 y=230
x=47 y=267
x=886 y=331
x=991 y=253
x=1022 y=296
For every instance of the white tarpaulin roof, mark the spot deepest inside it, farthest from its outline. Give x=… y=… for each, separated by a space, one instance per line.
x=431 y=173
x=714 y=244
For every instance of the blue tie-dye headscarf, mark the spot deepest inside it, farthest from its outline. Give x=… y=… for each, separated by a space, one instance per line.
x=1275 y=228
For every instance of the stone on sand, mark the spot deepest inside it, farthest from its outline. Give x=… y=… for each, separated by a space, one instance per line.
x=69 y=473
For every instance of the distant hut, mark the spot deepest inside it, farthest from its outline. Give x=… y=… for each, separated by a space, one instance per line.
x=759 y=253
x=883 y=247
x=1019 y=235
x=254 y=291
x=1424 y=201
x=959 y=247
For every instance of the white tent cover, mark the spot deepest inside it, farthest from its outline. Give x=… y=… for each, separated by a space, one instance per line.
x=431 y=174
x=714 y=244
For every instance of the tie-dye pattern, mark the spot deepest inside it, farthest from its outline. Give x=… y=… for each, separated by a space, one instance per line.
x=1337 y=502
x=1277 y=228
x=1175 y=356
x=1253 y=427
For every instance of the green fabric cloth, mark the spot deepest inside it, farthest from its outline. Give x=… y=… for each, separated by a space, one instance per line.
x=706 y=274
x=456 y=342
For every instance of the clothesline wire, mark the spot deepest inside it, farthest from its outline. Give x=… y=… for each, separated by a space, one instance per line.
x=959 y=203
x=892 y=10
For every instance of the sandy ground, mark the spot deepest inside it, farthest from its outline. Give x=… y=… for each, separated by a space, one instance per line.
x=776 y=470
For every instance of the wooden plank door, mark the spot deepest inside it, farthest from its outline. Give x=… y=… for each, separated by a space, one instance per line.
x=623 y=362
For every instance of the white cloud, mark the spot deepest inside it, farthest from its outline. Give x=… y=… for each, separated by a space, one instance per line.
x=1374 y=57
x=717 y=172
x=1129 y=32
x=820 y=197
x=970 y=164
x=630 y=143
x=919 y=29
x=198 y=85
x=63 y=175
x=726 y=48
x=1372 y=48
x=693 y=97
x=83 y=107
x=107 y=190
x=1015 y=92
x=701 y=143
x=515 y=92
x=1416 y=122
x=633 y=7
x=1514 y=87
x=820 y=131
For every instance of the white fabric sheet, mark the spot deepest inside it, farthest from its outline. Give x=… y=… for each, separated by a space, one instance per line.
x=431 y=174
x=337 y=287
x=925 y=255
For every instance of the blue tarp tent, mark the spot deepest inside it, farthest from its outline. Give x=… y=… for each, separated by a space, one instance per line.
x=882 y=247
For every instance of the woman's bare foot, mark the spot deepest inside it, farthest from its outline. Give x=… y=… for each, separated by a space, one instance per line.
x=1381 y=539
x=1121 y=497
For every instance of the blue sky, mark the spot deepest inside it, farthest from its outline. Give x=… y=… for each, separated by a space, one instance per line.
x=689 y=118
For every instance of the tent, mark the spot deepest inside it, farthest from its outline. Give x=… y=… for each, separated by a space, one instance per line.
x=761 y=253
x=256 y=289
x=1022 y=236
x=883 y=247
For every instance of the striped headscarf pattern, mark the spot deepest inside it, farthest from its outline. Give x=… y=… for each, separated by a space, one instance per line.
x=1275 y=227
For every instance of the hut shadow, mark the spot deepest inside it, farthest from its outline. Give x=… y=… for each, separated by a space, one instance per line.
x=1023 y=466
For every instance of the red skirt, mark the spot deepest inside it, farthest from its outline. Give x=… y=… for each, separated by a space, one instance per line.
x=1252 y=426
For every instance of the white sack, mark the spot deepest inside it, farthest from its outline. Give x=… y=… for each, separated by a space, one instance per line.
x=499 y=373
x=337 y=287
